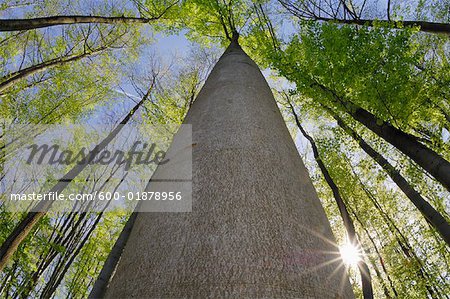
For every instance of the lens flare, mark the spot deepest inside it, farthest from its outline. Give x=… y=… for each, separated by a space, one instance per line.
x=350 y=254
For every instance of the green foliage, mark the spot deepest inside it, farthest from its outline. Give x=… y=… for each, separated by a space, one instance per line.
x=379 y=69
x=397 y=241
x=87 y=266
x=400 y=75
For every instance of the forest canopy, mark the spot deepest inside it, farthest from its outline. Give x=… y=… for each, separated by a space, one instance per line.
x=363 y=87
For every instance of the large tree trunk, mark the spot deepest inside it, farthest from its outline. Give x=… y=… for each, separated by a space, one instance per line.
x=408 y=144
x=257 y=228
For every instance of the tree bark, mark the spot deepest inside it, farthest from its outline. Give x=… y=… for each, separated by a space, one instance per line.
x=348 y=223
x=68 y=258
x=27 y=24
x=257 y=228
x=308 y=14
x=430 y=214
x=408 y=144
x=401 y=240
x=430 y=27
x=104 y=278
x=380 y=258
x=13 y=78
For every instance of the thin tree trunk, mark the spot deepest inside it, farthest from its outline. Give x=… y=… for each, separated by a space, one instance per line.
x=6 y=280
x=47 y=257
x=27 y=24
x=431 y=27
x=348 y=223
x=13 y=78
x=377 y=273
x=256 y=228
x=58 y=273
x=402 y=241
x=422 y=272
x=23 y=229
x=57 y=276
x=380 y=258
x=431 y=215
x=429 y=160
x=101 y=284
x=406 y=249
x=68 y=236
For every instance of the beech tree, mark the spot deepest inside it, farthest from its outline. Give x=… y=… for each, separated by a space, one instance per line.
x=333 y=85
x=26 y=225
x=145 y=16
x=235 y=82
x=348 y=222
x=351 y=12
x=369 y=80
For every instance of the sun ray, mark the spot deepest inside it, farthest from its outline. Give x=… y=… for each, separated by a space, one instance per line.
x=350 y=254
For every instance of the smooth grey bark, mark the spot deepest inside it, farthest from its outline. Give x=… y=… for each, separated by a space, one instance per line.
x=257 y=228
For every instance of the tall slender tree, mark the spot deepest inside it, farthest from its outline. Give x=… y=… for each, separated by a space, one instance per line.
x=107 y=272
x=431 y=214
x=408 y=144
x=11 y=79
x=345 y=215
x=342 y=12
x=334 y=85
x=26 y=225
x=43 y=22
